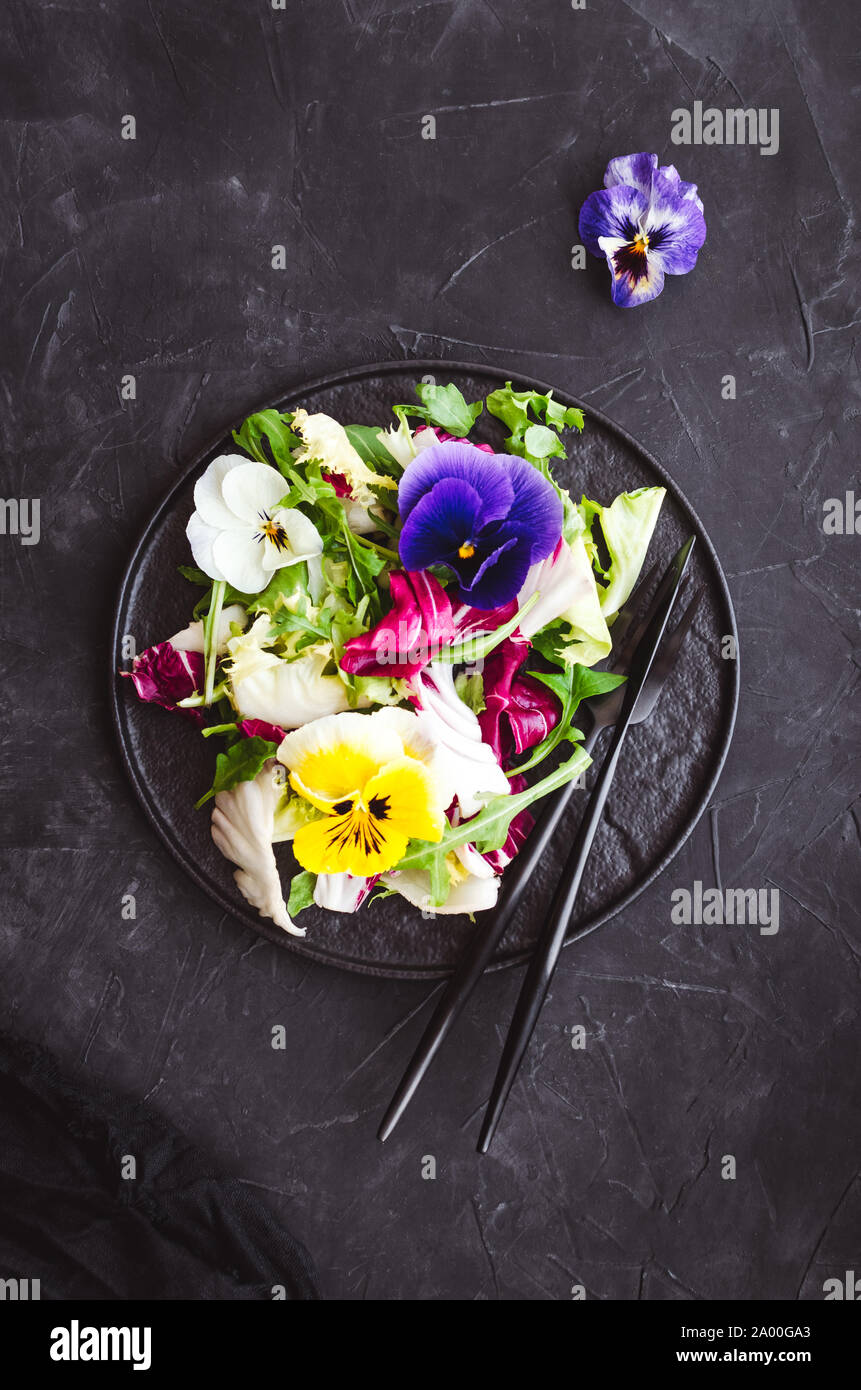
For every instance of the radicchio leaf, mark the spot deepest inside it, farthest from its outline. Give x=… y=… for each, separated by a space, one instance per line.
x=519 y=711
x=164 y=676
x=418 y=624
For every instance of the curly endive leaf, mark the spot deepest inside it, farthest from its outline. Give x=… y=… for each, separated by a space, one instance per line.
x=243 y=821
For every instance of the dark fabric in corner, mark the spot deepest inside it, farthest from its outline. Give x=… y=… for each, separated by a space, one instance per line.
x=181 y=1229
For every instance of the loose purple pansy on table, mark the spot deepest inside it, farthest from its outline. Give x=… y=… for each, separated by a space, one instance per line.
x=647 y=222
x=396 y=628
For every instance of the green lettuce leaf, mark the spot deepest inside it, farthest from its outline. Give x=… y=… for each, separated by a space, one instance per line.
x=528 y=437
x=586 y=640
x=626 y=526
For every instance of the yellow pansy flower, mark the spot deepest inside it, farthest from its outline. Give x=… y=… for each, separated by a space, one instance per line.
x=373 y=785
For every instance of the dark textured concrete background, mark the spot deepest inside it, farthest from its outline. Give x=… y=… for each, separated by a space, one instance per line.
x=302 y=127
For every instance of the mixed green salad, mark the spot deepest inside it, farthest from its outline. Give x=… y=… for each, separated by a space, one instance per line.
x=394 y=630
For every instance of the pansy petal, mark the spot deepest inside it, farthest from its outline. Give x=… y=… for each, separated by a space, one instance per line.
x=537 y=508
x=334 y=844
x=318 y=800
x=635 y=170
x=495 y=581
x=402 y=796
x=444 y=519
x=675 y=228
x=208 y=498
x=239 y=557
x=201 y=538
x=611 y=212
x=338 y=753
x=635 y=277
x=302 y=534
x=253 y=488
x=472 y=571
x=456 y=460
x=302 y=540
x=688 y=191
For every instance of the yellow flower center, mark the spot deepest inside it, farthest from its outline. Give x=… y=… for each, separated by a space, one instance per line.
x=640 y=244
x=273 y=531
x=466 y=551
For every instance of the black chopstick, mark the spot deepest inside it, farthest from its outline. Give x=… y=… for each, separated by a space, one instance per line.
x=478 y=953
x=553 y=934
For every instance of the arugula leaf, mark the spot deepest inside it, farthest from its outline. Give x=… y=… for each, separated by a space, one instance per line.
x=371 y=449
x=550 y=643
x=241 y=763
x=365 y=564
x=488 y=830
x=316 y=495
x=443 y=406
x=301 y=896
x=268 y=427
x=571 y=687
x=194 y=575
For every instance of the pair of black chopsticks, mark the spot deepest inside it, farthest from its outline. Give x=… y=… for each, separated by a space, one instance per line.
x=553 y=933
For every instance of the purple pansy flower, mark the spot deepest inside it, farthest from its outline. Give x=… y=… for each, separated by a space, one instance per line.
x=647 y=222
x=486 y=517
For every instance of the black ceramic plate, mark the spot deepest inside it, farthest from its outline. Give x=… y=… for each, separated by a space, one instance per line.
x=669 y=765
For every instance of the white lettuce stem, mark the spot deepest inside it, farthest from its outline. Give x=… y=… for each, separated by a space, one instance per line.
x=196 y=701
x=210 y=638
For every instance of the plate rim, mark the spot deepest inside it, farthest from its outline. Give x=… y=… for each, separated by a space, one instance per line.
x=300 y=945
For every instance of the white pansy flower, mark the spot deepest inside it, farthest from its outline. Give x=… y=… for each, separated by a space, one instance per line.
x=238 y=532
x=325 y=440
